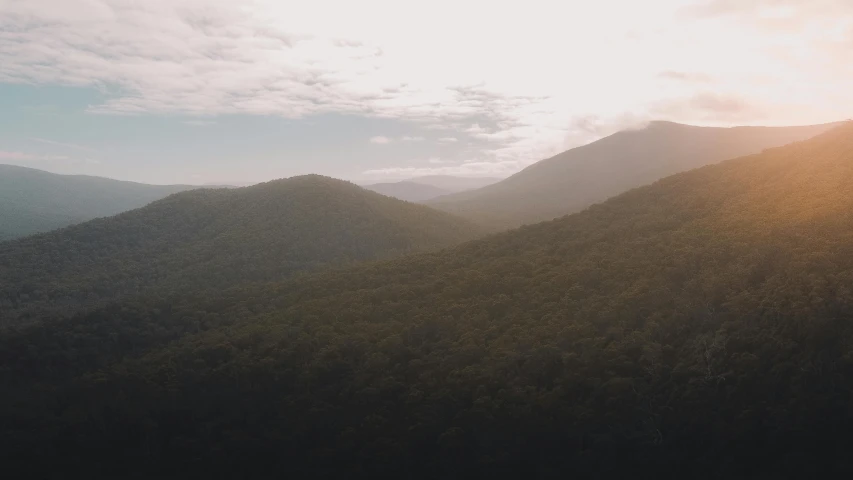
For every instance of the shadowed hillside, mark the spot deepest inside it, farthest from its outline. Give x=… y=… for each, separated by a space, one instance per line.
x=215 y=238
x=33 y=201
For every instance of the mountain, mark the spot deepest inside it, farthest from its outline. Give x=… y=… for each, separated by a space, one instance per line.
x=698 y=327
x=578 y=178
x=455 y=184
x=214 y=238
x=422 y=189
x=33 y=201
x=408 y=191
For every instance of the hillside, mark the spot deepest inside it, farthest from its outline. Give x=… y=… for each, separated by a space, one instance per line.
x=408 y=191
x=578 y=178
x=695 y=328
x=423 y=189
x=215 y=238
x=454 y=183
x=33 y=201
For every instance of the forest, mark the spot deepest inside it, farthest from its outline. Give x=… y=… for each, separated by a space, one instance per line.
x=212 y=239
x=697 y=327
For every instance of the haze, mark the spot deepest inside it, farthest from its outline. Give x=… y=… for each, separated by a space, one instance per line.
x=242 y=91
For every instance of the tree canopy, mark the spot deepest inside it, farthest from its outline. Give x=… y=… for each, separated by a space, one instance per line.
x=214 y=238
x=698 y=327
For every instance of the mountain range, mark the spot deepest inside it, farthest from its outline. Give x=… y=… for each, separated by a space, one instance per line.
x=216 y=238
x=34 y=201
x=422 y=189
x=696 y=327
x=580 y=177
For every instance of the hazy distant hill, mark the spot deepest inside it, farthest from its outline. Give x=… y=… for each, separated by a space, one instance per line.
x=422 y=189
x=454 y=183
x=589 y=174
x=408 y=191
x=699 y=327
x=216 y=238
x=33 y=201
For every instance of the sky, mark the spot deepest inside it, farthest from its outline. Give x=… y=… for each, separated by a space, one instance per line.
x=242 y=91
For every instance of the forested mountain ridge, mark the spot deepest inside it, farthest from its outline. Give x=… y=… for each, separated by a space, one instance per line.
x=577 y=178
x=33 y=201
x=698 y=327
x=215 y=238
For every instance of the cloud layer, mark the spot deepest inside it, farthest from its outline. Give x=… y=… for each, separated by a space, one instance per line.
x=512 y=82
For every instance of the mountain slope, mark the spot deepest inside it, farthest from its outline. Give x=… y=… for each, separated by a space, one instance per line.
x=423 y=189
x=577 y=178
x=698 y=327
x=215 y=238
x=33 y=201
x=408 y=191
x=455 y=184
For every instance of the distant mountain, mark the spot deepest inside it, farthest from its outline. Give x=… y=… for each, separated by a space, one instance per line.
x=422 y=189
x=577 y=178
x=408 y=191
x=33 y=201
x=696 y=328
x=455 y=184
x=215 y=238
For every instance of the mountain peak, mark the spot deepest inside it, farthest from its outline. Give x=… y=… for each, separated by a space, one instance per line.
x=583 y=176
x=256 y=233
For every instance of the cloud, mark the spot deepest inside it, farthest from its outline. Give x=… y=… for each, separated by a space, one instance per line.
x=685 y=76
x=715 y=106
x=768 y=9
x=380 y=140
x=448 y=139
x=411 y=139
x=516 y=93
x=438 y=161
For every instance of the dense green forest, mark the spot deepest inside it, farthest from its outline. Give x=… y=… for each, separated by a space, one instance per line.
x=212 y=239
x=33 y=201
x=580 y=177
x=699 y=327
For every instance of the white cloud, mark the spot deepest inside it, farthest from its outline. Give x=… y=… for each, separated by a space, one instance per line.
x=438 y=161
x=448 y=139
x=380 y=140
x=520 y=85
x=411 y=139
x=475 y=128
